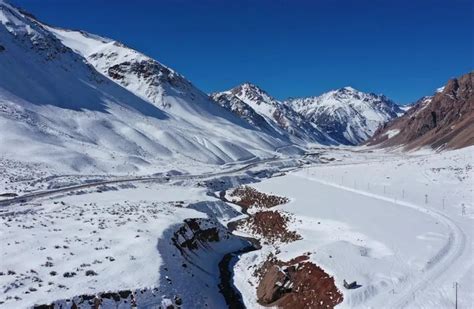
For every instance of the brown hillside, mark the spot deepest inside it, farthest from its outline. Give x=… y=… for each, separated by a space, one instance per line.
x=444 y=121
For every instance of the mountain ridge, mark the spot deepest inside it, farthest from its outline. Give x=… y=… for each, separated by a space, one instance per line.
x=327 y=113
x=61 y=111
x=444 y=120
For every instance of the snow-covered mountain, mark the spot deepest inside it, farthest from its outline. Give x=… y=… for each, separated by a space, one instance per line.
x=277 y=114
x=245 y=111
x=85 y=103
x=347 y=115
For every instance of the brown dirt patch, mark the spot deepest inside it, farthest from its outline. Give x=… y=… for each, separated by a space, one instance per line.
x=270 y=225
x=297 y=283
x=247 y=197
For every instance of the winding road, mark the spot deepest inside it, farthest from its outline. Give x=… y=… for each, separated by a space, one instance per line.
x=39 y=194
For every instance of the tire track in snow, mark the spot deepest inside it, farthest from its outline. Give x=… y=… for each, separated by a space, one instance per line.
x=438 y=265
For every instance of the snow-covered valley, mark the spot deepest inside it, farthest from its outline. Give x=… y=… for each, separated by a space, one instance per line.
x=400 y=225
x=123 y=185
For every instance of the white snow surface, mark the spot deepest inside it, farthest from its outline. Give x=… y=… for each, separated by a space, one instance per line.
x=121 y=233
x=401 y=226
x=392 y=133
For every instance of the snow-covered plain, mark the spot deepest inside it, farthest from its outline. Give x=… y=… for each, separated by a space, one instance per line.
x=111 y=238
x=400 y=225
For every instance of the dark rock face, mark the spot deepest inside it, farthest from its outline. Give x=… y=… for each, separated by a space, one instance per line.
x=2 y=48
x=445 y=120
x=146 y=69
x=194 y=234
x=156 y=78
x=297 y=283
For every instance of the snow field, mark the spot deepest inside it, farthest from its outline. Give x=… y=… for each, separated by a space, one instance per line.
x=403 y=251
x=95 y=242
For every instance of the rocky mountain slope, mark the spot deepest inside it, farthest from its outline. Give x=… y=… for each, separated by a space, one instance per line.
x=276 y=114
x=80 y=102
x=444 y=120
x=347 y=115
x=344 y=116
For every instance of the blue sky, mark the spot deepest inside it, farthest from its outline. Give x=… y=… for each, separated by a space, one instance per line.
x=404 y=49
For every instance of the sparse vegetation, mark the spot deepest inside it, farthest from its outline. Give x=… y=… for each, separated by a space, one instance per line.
x=248 y=197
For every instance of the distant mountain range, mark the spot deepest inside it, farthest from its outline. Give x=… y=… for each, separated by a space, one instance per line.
x=85 y=103
x=345 y=116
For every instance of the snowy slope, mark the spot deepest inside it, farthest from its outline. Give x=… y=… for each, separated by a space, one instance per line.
x=55 y=108
x=347 y=115
x=150 y=79
x=279 y=115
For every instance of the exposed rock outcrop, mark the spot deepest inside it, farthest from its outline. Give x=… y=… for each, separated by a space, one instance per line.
x=271 y=226
x=445 y=120
x=297 y=283
x=278 y=115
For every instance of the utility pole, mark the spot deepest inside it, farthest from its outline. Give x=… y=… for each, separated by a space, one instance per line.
x=456 y=291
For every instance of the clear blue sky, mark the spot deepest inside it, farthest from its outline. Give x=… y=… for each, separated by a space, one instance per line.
x=402 y=48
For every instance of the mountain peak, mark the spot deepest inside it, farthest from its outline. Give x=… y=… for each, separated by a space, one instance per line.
x=360 y=112
x=248 y=87
x=348 y=88
x=251 y=93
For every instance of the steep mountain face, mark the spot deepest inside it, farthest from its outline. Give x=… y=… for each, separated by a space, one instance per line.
x=243 y=110
x=347 y=115
x=133 y=70
x=277 y=114
x=444 y=120
x=84 y=103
